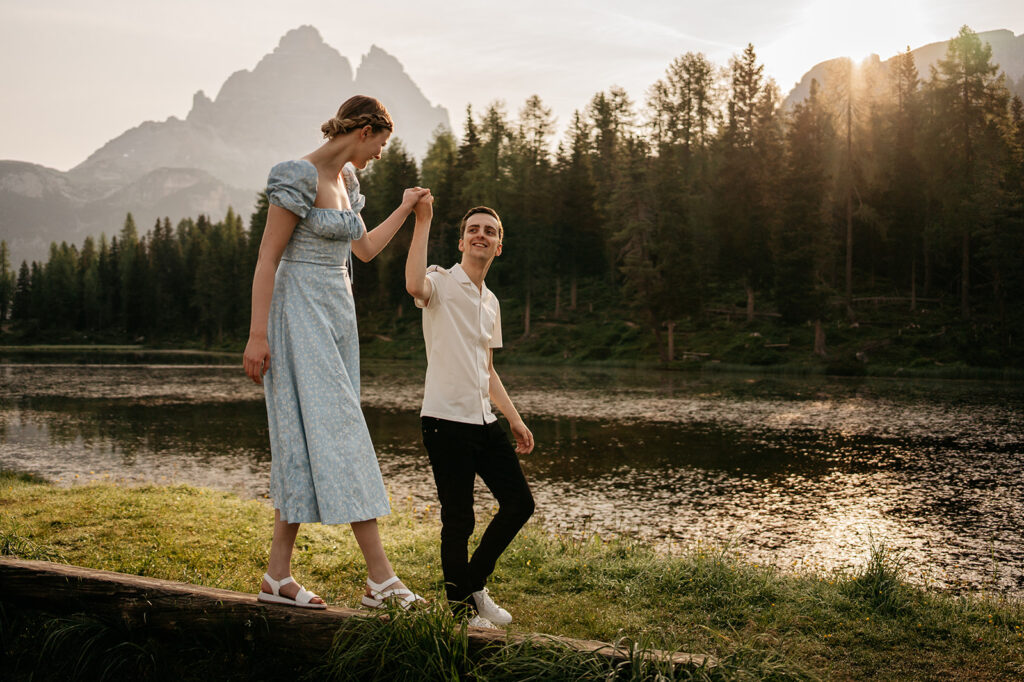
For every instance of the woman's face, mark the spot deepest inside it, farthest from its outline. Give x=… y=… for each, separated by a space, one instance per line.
x=371 y=145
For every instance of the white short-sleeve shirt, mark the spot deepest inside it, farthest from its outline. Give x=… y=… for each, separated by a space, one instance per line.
x=460 y=325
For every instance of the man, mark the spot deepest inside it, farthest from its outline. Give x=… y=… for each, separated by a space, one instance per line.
x=461 y=327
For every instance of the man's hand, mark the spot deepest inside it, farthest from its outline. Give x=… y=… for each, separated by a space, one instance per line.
x=524 y=439
x=412 y=195
x=424 y=208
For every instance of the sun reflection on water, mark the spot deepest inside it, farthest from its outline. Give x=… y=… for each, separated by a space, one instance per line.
x=804 y=472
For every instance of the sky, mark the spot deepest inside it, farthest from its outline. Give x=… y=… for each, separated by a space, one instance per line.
x=77 y=73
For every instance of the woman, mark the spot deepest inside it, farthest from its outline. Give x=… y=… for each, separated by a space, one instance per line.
x=304 y=348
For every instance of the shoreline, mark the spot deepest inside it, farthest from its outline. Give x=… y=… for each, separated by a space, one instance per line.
x=143 y=354
x=852 y=623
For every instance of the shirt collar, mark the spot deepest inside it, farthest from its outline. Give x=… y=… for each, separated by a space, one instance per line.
x=463 y=278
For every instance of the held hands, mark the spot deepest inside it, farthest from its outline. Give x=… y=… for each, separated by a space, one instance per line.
x=424 y=208
x=524 y=439
x=413 y=195
x=256 y=359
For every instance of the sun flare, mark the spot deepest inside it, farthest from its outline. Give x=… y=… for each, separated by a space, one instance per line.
x=856 y=30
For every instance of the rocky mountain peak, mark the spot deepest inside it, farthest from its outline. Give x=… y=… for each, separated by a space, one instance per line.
x=302 y=39
x=219 y=155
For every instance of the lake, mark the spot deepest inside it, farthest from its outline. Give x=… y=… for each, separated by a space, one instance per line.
x=791 y=471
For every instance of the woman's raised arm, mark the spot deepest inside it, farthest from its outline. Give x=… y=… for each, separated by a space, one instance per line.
x=373 y=241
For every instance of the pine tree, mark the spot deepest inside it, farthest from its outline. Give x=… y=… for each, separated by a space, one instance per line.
x=440 y=173
x=800 y=237
x=579 y=240
x=383 y=186
x=749 y=152
x=527 y=212
x=612 y=118
x=89 y=286
x=22 y=307
x=257 y=225
x=903 y=196
x=973 y=99
x=682 y=103
x=7 y=282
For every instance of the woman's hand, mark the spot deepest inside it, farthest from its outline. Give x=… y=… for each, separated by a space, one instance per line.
x=412 y=195
x=424 y=208
x=256 y=359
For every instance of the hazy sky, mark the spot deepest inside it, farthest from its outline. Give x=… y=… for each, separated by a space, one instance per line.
x=77 y=73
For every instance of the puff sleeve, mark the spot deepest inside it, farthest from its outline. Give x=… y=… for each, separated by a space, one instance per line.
x=357 y=200
x=292 y=186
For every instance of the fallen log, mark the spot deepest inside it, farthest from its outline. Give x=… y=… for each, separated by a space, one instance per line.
x=165 y=605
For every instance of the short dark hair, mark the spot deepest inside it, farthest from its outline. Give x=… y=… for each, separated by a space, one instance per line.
x=481 y=209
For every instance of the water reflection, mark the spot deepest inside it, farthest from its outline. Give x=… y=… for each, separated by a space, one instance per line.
x=789 y=471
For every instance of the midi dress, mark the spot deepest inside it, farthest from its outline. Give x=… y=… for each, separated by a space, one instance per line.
x=323 y=465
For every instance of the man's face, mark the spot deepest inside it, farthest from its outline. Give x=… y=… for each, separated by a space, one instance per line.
x=480 y=238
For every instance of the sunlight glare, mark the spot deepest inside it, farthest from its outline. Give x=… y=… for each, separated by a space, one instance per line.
x=856 y=30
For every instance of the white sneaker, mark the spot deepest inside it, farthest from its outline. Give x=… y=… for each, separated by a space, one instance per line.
x=486 y=607
x=481 y=622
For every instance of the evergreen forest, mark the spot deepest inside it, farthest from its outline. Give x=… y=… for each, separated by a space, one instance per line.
x=882 y=217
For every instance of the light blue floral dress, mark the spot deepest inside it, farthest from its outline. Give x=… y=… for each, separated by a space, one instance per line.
x=323 y=464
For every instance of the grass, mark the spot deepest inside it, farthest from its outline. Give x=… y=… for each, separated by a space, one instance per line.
x=758 y=621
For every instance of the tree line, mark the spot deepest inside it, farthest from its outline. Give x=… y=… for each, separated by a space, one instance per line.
x=882 y=183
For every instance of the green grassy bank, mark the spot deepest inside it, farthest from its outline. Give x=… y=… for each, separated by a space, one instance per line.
x=758 y=621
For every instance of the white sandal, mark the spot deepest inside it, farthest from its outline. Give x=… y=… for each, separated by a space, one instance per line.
x=303 y=598
x=380 y=594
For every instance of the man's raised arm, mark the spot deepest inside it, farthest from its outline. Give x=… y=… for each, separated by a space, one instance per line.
x=416 y=282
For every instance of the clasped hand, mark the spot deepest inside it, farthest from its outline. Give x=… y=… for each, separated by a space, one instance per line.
x=412 y=196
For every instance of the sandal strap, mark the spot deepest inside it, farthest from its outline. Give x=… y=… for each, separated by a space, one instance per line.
x=275 y=585
x=304 y=596
x=378 y=587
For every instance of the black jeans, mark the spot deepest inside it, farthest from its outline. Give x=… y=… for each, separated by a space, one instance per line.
x=458 y=452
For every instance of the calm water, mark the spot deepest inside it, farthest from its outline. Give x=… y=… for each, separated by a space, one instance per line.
x=789 y=471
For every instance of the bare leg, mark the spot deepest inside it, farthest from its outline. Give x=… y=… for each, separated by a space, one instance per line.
x=377 y=565
x=281 y=557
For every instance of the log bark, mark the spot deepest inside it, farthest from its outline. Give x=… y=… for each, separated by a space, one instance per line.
x=168 y=606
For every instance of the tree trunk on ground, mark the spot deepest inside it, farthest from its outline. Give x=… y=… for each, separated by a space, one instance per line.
x=965 y=278
x=152 y=605
x=750 y=303
x=671 y=340
x=819 y=339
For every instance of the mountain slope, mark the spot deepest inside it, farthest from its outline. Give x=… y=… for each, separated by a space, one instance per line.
x=219 y=155
x=1007 y=52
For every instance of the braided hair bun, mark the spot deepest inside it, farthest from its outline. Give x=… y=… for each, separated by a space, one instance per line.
x=358 y=112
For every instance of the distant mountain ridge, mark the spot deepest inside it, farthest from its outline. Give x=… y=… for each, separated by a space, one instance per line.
x=1007 y=52
x=217 y=156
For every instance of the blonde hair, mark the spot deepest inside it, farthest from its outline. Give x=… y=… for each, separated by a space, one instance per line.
x=358 y=112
